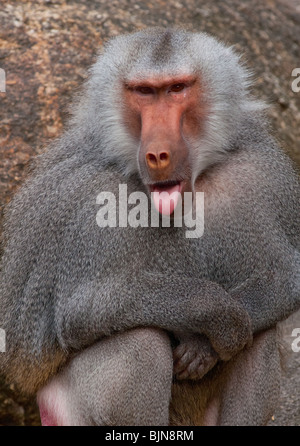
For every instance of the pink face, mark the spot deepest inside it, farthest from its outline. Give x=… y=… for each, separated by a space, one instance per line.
x=163 y=114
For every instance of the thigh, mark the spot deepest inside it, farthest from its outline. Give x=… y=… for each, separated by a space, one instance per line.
x=122 y=380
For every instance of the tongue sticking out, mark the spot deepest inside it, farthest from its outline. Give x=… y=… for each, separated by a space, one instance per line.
x=166 y=198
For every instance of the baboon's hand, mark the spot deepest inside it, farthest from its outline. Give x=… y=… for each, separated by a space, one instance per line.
x=193 y=357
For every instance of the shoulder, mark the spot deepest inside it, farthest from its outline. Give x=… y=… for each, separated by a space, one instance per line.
x=256 y=178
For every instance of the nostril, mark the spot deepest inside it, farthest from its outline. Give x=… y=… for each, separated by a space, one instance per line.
x=151 y=158
x=163 y=156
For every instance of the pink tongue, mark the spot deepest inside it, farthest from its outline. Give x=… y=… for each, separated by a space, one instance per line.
x=165 y=200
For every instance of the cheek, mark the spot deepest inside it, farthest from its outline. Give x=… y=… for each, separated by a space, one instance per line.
x=131 y=116
x=133 y=123
x=193 y=122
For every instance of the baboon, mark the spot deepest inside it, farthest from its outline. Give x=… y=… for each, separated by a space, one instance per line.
x=135 y=324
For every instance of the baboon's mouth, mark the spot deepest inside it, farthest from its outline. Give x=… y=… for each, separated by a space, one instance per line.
x=165 y=195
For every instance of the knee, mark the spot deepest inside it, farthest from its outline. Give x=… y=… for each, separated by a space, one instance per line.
x=124 y=357
x=149 y=349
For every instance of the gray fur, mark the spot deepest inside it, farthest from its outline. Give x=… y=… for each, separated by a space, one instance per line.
x=89 y=387
x=67 y=283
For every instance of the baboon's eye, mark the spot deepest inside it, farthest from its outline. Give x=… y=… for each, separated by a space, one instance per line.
x=144 y=90
x=176 y=88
